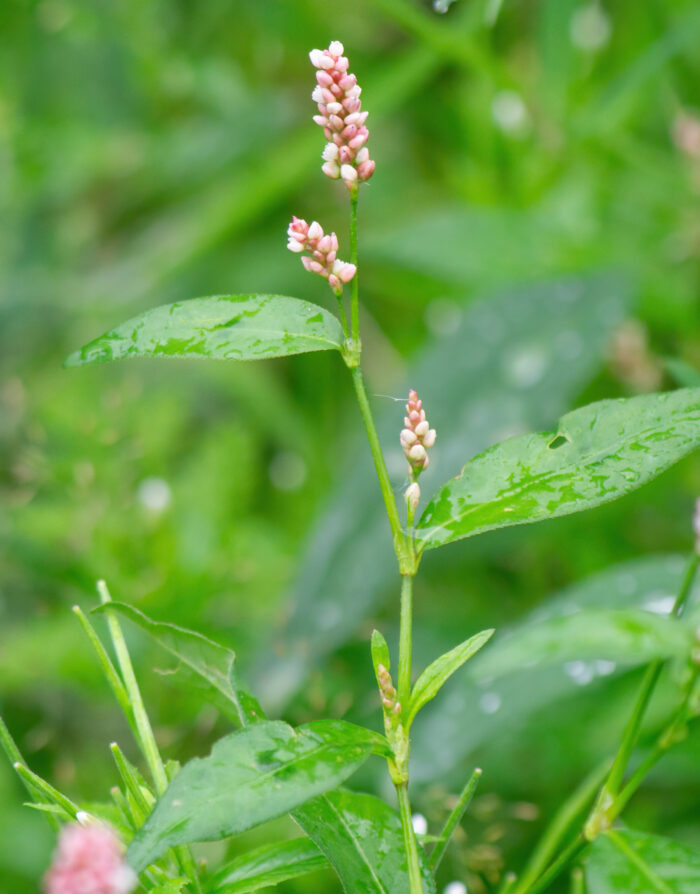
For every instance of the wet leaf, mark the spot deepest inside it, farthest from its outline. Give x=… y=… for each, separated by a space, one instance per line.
x=223 y=327
x=635 y=863
x=268 y=866
x=433 y=677
x=596 y=454
x=362 y=839
x=210 y=661
x=251 y=776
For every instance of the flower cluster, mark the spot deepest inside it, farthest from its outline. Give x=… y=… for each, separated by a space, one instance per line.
x=417 y=435
x=416 y=438
x=340 y=115
x=89 y=860
x=387 y=691
x=322 y=250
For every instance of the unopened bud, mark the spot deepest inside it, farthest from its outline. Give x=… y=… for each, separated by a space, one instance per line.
x=412 y=496
x=416 y=436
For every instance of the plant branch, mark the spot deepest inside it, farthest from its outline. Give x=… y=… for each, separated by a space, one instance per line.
x=454 y=819
x=568 y=813
x=379 y=463
x=409 y=837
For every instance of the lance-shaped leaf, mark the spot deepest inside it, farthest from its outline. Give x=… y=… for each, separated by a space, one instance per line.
x=362 y=838
x=448 y=734
x=268 y=866
x=628 y=862
x=435 y=675
x=211 y=662
x=596 y=454
x=251 y=776
x=223 y=327
x=626 y=636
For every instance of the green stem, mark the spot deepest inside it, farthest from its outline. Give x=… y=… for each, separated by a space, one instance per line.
x=354 y=284
x=610 y=801
x=568 y=854
x=146 y=738
x=343 y=317
x=379 y=463
x=405 y=642
x=15 y=757
x=415 y=883
x=577 y=882
x=634 y=724
x=454 y=819
x=571 y=810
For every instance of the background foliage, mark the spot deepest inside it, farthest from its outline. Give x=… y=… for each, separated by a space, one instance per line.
x=530 y=241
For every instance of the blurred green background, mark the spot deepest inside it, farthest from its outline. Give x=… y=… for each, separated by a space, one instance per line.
x=530 y=241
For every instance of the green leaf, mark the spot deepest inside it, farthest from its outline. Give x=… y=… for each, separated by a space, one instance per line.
x=434 y=676
x=224 y=327
x=628 y=636
x=596 y=454
x=532 y=350
x=362 y=839
x=208 y=660
x=268 y=866
x=380 y=651
x=251 y=776
x=449 y=734
x=636 y=863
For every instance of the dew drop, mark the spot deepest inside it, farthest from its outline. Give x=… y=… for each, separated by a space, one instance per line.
x=605 y=668
x=525 y=367
x=659 y=604
x=490 y=702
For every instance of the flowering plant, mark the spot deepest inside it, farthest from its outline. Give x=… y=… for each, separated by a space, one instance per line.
x=267 y=768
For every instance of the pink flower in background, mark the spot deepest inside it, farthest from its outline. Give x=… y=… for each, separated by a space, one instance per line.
x=323 y=249
x=417 y=435
x=340 y=115
x=89 y=860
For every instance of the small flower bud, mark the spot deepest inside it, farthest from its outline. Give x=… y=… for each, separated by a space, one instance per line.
x=412 y=496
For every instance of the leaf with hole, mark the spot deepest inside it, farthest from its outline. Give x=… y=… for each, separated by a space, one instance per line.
x=596 y=454
x=433 y=677
x=207 y=660
x=628 y=862
x=268 y=866
x=251 y=776
x=223 y=327
x=362 y=839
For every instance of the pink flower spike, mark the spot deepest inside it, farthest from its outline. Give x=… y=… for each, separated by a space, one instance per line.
x=322 y=251
x=341 y=116
x=89 y=860
x=417 y=437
